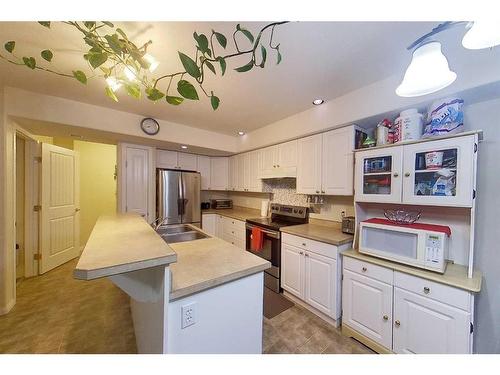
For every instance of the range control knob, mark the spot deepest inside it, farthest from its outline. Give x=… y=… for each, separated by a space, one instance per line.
x=294 y=210
x=301 y=212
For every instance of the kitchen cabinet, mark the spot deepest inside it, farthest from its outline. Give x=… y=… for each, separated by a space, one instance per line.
x=219 y=173
x=269 y=156
x=439 y=172
x=209 y=224
x=240 y=172
x=279 y=160
x=425 y=326
x=204 y=167
x=233 y=173
x=309 y=165
x=251 y=180
x=325 y=163
x=136 y=176
x=233 y=231
x=175 y=160
x=310 y=272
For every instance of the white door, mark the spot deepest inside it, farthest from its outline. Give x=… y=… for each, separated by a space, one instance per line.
x=449 y=184
x=186 y=162
x=166 y=159
x=269 y=156
x=240 y=180
x=203 y=165
x=309 y=165
x=252 y=180
x=338 y=162
x=292 y=270
x=426 y=326
x=378 y=176
x=219 y=173
x=209 y=223
x=136 y=189
x=320 y=282
x=367 y=307
x=60 y=226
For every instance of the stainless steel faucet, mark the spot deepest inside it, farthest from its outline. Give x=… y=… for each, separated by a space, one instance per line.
x=158 y=222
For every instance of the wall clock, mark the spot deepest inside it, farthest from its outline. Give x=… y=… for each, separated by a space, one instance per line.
x=150 y=126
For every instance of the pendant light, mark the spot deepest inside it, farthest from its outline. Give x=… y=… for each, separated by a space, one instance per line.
x=428 y=71
x=482 y=34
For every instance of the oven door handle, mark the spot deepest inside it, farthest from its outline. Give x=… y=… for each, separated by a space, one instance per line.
x=272 y=234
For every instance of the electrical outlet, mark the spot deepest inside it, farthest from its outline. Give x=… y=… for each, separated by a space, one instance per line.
x=188 y=314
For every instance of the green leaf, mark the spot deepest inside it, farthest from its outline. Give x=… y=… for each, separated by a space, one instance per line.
x=97 y=59
x=221 y=39
x=264 y=56
x=91 y=41
x=174 y=100
x=215 y=102
x=45 y=24
x=122 y=33
x=114 y=43
x=80 y=76
x=154 y=94
x=107 y=23
x=222 y=63
x=245 y=32
x=30 y=62
x=89 y=24
x=279 y=55
x=9 y=46
x=245 y=68
x=47 y=55
x=202 y=41
x=110 y=93
x=133 y=90
x=210 y=66
x=187 y=90
x=190 y=66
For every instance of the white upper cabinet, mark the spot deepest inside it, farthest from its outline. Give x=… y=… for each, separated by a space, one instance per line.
x=251 y=163
x=279 y=160
x=240 y=172
x=287 y=157
x=269 y=159
x=166 y=159
x=219 y=173
x=309 y=165
x=233 y=173
x=186 y=161
x=438 y=173
x=204 y=167
x=337 y=175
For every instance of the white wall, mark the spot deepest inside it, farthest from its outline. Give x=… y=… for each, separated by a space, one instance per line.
x=486 y=116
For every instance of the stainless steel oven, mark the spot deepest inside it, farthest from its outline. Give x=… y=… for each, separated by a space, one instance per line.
x=271 y=251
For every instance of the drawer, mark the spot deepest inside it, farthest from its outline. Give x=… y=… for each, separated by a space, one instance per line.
x=440 y=292
x=317 y=247
x=232 y=224
x=369 y=270
x=236 y=241
x=234 y=232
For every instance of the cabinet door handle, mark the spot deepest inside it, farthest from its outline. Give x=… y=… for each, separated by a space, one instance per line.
x=301 y=253
x=303 y=244
x=427 y=290
x=317 y=191
x=385 y=317
x=364 y=269
x=307 y=255
x=407 y=174
x=397 y=323
x=396 y=174
x=278 y=166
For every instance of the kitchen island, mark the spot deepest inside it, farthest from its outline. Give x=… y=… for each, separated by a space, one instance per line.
x=199 y=296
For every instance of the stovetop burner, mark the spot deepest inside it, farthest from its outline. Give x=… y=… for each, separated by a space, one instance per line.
x=282 y=216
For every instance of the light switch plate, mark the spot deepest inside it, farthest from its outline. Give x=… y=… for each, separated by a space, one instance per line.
x=188 y=315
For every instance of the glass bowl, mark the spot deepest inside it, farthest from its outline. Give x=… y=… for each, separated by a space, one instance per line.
x=402 y=216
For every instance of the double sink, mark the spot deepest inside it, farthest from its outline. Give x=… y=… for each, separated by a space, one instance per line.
x=180 y=233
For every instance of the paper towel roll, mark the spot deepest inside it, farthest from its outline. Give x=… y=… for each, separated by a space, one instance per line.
x=264 y=208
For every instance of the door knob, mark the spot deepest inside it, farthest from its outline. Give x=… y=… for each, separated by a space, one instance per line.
x=363 y=269
x=77 y=209
x=427 y=290
x=385 y=317
x=396 y=174
x=397 y=323
x=407 y=174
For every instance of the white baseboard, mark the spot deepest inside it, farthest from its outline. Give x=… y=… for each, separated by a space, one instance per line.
x=5 y=309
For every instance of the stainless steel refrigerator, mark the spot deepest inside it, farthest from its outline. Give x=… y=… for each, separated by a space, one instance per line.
x=178 y=197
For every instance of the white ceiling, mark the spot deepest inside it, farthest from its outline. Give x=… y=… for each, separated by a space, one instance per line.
x=320 y=59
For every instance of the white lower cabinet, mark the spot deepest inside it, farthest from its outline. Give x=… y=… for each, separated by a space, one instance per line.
x=406 y=313
x=209 y=224
x=225 y=228
x=367 y=307
x=309 y=272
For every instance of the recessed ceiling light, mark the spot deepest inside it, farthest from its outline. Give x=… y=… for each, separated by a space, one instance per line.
x=241 y=133
x=318 y=101
x=184 y=147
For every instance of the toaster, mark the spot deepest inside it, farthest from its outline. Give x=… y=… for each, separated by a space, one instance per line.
x=348 y=224
x=221 y=203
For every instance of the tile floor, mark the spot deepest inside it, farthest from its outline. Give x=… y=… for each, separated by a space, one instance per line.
x=55 y=313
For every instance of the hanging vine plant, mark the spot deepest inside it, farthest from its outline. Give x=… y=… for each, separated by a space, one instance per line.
x=112 y=56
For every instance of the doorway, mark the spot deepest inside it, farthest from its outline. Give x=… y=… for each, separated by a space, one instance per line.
x=20 y=207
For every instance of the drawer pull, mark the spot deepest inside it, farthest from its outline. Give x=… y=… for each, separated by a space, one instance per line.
x=303 y=244
x=396 y=174
x=364 y=269
x=397 y=323
x=317 y=191
x=385 y=317
x=427 y=290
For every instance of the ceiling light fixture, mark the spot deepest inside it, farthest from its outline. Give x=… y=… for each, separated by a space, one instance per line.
x=482 y=34
x=153 y=63
x=429 y=71
x=241 y=133
x=318 y=101
x=184 y=147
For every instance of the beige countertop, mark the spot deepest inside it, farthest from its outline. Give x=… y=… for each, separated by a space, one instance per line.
x=238 y=213
x=320 y=230
x=122 y=243
x=209 y=262
x=455 y=275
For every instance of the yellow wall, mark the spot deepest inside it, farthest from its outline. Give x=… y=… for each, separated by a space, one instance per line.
x=97 y=184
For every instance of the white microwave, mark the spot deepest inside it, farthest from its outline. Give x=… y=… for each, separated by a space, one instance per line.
x=419 y=245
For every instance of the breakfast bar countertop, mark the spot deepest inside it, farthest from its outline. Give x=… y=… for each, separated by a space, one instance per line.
x=122 y=243
x=320 y=230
